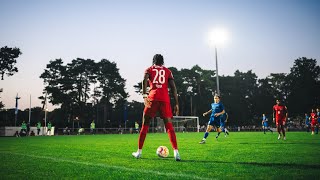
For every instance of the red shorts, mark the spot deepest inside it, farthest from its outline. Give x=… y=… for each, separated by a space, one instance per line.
x=313 y=123
x=280 y=121
x=164 y=108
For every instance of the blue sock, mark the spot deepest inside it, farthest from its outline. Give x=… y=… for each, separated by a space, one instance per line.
x=206 y=135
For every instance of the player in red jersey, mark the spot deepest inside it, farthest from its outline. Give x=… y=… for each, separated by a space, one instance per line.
x=314 y=120
x=158 y=100
x=280 y=114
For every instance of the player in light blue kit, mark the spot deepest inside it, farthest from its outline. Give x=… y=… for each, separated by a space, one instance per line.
x=265 y=124
x=223 y=120
x=217 y=109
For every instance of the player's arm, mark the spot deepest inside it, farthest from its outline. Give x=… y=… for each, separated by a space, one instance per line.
x=204 y=114
x=144 y=90
x=273 y=114
x=175 y=96
x=218 y=114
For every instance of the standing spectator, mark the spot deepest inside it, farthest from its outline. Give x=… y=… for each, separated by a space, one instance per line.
x=23 y=131
x=158 y=100
x=92 y=127
x=49 y=128
x=38 y=128
x=280 y=114
x=28 y=129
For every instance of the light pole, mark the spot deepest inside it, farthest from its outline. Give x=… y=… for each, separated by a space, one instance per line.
x=217 y=36
x=189 y=90
x=217 y=76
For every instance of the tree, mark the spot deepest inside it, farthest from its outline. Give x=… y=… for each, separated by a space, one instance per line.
x=304 y=84
x=112 y=87
x=8 y=61
x=1 y=104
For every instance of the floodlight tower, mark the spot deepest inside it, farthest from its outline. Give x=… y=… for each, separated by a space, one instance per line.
x=217 y=37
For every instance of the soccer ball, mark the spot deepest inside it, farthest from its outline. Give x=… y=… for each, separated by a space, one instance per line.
x=163 y=151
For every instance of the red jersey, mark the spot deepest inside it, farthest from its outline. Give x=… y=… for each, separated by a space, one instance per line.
x=313 y=117
x=280 y=112
x=158 y=80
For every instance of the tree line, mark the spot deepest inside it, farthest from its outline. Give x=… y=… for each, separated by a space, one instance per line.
x=87 y=90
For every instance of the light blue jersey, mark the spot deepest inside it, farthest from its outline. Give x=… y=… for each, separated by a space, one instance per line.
x=215 y=108
x=265 y=121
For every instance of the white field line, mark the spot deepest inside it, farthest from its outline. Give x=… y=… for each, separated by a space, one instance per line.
x=121 y=168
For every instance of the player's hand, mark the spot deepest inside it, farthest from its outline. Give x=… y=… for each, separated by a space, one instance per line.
x=284 y=123
x=204 y=114
x=176 y=110
x=216 y=115
x=147 y=102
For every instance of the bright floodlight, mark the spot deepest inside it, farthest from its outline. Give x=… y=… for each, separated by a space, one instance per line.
x=218 y=36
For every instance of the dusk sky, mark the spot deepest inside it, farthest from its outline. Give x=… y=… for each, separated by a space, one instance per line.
x=263 y=36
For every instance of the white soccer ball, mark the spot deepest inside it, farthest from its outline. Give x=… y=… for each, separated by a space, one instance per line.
x=163 y=151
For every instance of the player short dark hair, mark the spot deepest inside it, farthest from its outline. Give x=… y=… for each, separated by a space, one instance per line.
x=158 y=59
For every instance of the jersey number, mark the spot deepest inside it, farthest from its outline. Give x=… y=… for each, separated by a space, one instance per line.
x=160 y=76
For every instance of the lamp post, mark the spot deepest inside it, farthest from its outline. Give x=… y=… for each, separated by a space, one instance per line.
x=189 y=90
x=217 y=36
x=217 y=75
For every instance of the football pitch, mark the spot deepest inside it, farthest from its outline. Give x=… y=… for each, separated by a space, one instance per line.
x=242 y=155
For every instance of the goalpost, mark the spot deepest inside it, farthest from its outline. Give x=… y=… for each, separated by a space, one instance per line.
x=186 y=123
x=181 y=124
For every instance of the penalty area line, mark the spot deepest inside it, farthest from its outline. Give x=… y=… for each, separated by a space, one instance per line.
x=121 y=168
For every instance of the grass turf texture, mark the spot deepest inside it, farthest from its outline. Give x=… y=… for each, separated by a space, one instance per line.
x=242 y=155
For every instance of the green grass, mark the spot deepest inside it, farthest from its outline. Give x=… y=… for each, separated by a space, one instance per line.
x=242 y=155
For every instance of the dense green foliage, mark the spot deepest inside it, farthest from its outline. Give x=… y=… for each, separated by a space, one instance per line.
x=94 y=90
x=244 y=155
x=8 y=60
x=86 y=90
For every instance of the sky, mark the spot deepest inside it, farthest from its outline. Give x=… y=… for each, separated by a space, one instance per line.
x=264 y=36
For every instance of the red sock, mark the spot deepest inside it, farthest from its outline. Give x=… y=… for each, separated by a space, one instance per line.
x=172 y=135
x=142 y=136
x=312 y=128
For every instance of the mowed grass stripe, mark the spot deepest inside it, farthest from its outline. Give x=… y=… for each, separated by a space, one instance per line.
x=121 y=168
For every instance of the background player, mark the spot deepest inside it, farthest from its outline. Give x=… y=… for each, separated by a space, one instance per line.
x=223 y=121
x=158 y=100
x=265 y=124
x=314 y=120
x=307 y=122
x=217 y=109
x=280 y=114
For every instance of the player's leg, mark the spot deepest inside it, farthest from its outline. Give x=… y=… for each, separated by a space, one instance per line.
x=172 y=137
x=148 y=114
x=312 y=128
x=226 y=130
x=264 y=129
x=166 y=113
x=283 y=132
x=278 y=128
x=206 y=134
x=269 y=129
x=219 y=129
